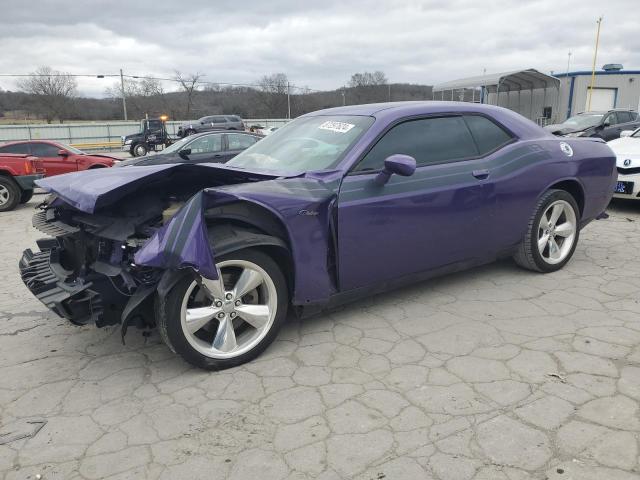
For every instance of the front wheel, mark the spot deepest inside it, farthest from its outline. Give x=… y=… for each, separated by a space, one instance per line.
x=552 y=233
x=217 y=324
x=140 y=150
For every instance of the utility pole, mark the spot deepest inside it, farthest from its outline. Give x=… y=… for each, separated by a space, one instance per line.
x=593 y=67
x=124 y=102
x=288 y=101
x=389 y=92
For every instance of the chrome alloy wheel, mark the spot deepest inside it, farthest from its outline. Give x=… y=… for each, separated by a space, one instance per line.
x=228 y=317
x=4 y=195
x=557 y=232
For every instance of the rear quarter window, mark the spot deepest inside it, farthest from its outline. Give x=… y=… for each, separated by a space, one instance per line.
x=488 y=135
x=18 y=148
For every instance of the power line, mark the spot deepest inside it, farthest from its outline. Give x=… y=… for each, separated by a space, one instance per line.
x=147 y=77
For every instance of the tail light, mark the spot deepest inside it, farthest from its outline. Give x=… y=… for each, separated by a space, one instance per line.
x=29 y=168
x=35 y=165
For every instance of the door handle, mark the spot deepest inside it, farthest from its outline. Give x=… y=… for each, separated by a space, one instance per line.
x=481 y=174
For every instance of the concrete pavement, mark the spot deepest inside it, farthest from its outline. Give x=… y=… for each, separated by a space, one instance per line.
x=492 y=374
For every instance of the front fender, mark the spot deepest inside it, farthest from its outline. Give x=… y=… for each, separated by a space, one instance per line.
x=184 y=241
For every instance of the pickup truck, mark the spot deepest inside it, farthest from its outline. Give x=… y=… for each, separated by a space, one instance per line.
x=17 y=174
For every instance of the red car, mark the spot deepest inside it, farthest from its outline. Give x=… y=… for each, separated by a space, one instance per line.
x=17 y=174
x=57 y=157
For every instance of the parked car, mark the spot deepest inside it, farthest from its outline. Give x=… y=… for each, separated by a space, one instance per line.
x=213 y=122
x=266 y=131
x=606 y=125
x=212 y=147
x=336 y=205
x=152 y=137
x=17 y=174
x=57 y=157
x=627 y=151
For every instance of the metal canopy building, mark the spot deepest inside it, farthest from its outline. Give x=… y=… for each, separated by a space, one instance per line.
x=528 y=92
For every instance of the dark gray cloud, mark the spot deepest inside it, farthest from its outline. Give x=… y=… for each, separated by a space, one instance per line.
x=317 y=44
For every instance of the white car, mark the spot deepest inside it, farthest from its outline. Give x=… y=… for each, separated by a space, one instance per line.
x=627 y=150
x=267 y=131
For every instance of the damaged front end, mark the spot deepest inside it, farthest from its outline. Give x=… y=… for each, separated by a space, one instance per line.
x=86 y=272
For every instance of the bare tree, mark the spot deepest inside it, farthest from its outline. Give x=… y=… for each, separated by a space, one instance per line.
x=53 y=92
x=272 y=94
x=368 y=86
x=189 y=85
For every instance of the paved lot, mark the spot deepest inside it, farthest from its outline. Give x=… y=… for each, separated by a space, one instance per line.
x=492 y=374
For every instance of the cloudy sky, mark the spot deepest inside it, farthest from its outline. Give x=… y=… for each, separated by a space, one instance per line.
x=318 y=44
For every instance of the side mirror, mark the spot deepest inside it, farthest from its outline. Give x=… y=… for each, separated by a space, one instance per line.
x=399 y=164
x=626 y=133
x=184 y=153
x=63 y=153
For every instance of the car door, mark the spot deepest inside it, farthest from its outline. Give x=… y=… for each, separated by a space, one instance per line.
x=611 y=127
x=236 y=143
x=434 y=218
x=53 y=162
x=626 y=122
x=219 y=122
x=206 y=149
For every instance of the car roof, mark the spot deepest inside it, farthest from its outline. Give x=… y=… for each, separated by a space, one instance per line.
x=602 y=112
x=221 y=132
x=16 y=142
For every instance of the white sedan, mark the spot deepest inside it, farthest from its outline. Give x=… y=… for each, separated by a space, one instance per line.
x=627 y=150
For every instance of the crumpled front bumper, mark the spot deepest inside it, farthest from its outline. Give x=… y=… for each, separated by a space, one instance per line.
x=50 y=283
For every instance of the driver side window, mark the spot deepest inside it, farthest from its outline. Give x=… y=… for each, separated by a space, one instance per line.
x=206 y=144
x=428 y=140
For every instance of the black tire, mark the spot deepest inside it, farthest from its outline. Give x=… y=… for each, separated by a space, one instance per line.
x=139 y=150
x=169 y=314
x=528 y=255
x=26 y=195
x=190 y=131
x=9 y=194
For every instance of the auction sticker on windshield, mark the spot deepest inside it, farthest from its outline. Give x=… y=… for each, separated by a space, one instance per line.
x=336 y=126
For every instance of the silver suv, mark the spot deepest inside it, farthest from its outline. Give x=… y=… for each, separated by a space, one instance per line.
x=212 y=122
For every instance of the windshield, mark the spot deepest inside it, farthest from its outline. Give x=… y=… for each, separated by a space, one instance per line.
x=308 y=143
x=177 y=146
x=580 y=122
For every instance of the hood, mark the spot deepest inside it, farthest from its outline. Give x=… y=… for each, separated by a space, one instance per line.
x=561 y=129
x=157 y=159
x=90 y=190
x=133 y=136
x=625 y=146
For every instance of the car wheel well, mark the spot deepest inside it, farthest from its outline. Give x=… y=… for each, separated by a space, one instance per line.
x=228 y=235
x=97 y=166
x=574 y=189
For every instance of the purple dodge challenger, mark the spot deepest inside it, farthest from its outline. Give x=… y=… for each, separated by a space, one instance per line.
x=336 y=205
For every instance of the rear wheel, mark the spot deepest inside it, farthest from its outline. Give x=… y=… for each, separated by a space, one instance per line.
x=9 y=194
x=26 y=195
x=217 y=324
x=552 y=234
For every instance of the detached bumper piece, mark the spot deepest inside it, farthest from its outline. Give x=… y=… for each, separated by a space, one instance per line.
x=52 y=285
